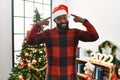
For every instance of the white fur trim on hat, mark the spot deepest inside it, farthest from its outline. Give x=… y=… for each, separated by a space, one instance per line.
x=58 y=13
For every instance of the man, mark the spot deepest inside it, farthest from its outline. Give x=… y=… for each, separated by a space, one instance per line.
x=61 y=43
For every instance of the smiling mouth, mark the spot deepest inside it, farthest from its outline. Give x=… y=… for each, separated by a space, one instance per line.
x=63 y=25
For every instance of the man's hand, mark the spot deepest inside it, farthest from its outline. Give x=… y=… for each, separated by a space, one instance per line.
x=44 y=22
x=77 y=18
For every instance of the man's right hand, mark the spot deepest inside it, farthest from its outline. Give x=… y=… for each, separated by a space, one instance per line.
x=44 y=22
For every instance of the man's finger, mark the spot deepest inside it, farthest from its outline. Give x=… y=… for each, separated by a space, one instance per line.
x=73 y=15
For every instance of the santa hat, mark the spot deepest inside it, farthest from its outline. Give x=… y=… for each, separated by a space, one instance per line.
x=60 y=10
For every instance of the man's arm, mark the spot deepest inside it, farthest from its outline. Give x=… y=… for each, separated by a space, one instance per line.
x=90 y=34
x=34 y=38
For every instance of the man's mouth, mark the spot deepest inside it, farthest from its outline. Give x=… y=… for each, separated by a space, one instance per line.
x=63 y=25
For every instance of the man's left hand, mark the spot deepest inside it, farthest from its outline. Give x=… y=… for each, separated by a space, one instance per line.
x=77 y=18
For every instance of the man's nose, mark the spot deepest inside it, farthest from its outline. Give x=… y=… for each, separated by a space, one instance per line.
x=63 y=20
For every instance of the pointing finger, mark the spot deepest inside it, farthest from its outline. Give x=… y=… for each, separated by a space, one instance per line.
x=73 y=15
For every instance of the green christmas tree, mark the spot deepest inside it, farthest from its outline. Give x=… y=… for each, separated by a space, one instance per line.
x=31 y=61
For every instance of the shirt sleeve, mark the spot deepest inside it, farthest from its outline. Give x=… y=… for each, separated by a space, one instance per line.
x=35 y=37
x=90 y=34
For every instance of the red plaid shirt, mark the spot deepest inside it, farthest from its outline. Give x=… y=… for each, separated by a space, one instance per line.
x=61 y=49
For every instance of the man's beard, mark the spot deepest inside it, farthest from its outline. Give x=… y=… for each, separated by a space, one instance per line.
x=62 y=29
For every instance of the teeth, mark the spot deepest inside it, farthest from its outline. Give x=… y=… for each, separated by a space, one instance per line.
x=63 y=24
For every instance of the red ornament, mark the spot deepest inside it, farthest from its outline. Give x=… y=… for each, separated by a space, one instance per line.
x=21 y=64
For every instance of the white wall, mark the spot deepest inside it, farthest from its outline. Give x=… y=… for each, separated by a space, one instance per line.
x=5 y=39
x=103 y=14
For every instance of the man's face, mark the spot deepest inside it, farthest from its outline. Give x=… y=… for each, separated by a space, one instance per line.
x=62 y=23
x=61 y=20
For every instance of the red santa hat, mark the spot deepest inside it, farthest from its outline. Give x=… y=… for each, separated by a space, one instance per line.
x=60 y=10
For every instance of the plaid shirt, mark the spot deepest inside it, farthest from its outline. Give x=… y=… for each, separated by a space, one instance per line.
x=61 y=49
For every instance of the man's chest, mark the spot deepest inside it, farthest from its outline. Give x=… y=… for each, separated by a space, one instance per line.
x=61 y=40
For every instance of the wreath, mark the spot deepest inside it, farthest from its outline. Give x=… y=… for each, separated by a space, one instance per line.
x=113 y=53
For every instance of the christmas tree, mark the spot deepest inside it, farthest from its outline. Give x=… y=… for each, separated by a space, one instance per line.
x=31 y=60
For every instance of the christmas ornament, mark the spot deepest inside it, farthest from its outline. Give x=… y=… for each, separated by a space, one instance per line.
x=39 y=60
x=26 y=54
x=41 y=52
x=21 y=64
x=20 y=77
x=34 y=61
